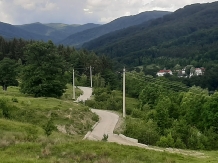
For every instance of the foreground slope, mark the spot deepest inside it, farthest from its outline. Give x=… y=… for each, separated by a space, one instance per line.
x=120 y=23
x=20 y=143
x=136 y=41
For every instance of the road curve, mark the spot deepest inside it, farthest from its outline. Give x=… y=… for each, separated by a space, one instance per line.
x=107 y=123
x=87 y=93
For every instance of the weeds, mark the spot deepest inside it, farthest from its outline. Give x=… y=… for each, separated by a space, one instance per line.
x=105 y=137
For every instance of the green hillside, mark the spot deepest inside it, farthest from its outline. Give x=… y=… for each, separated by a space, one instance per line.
x=78 y=39
x=187 y=32
x=23 y=138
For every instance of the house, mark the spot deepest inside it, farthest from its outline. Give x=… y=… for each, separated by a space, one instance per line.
x=197 y=72
x=163 y=72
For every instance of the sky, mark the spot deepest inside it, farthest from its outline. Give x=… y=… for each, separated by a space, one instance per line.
x=18 y=12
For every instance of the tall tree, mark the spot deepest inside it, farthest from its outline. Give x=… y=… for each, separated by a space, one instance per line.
x=44 y=73
x=8 y=73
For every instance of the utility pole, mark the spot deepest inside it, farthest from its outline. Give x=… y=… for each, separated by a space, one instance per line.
x=91 y=75
x=124 y=94
x=73 y=85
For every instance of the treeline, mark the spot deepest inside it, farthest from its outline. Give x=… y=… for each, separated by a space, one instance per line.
x=43 y=69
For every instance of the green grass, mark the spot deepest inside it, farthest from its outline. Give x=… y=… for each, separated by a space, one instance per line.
x=88 y=152
x=75 y=118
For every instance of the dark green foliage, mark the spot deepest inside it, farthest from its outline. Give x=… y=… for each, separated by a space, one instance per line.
x=43 y=74
x=5 y=108
x=49 y=127
x=105 y=137
x=8 y=73
x=95 y=118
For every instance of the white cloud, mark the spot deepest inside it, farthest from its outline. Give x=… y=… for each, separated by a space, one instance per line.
x=49 y=6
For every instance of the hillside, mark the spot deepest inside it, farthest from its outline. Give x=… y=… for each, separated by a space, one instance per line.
x=194 y=26
x=79 y=38
x=55 y=31
x=9 y=31
x=24 y=132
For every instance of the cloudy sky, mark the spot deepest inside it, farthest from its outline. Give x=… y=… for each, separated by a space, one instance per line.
x=81 y=11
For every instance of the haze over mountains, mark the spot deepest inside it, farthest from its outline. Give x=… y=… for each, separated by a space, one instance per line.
x=73 y=35
x=78 y=39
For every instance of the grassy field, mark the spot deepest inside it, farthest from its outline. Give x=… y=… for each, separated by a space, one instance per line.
x=23 y=139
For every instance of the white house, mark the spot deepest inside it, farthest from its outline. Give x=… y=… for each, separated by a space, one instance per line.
x=163 y=72
x=197 y=72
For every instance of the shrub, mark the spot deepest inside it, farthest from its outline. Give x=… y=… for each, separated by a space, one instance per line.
x=166 y=141
x=14 y=99
x=105 y=137
x=5 y=108
x=49 y=127
x=95 y=117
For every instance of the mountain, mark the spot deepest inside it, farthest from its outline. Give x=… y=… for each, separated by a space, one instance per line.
x=174 y=35
x=9 y=31
x=55 y=31
x=78 y=39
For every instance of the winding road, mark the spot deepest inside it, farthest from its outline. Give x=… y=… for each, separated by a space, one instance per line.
x=107 y=123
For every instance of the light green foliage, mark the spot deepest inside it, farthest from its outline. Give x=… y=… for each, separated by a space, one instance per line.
x=98 y=81
x=36 y=111
x=145 y=132
x=166 y=141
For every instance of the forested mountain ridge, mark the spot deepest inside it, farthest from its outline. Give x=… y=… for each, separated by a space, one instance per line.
x=151 y=38
x=9 y=31
x=55 y=31
x=120 y=23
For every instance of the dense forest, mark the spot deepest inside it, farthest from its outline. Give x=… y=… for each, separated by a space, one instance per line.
x=43 y=69
x=187 y=36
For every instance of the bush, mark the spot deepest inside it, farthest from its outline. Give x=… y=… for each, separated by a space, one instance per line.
x=49 y=127
x=166 y=141
x=5 y=108
x=105 y=137
x=14 y=99
x=91 y=103
x=95 y=117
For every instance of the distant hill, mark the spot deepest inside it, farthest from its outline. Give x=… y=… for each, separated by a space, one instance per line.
x=184 y=33
x=55 y=31
x=78 y=39
x=9 y=31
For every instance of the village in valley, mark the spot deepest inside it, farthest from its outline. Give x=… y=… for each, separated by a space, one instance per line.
x=186 y=72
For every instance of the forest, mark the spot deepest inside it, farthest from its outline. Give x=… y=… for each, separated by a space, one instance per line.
x=188 y=36
x=43 y=69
